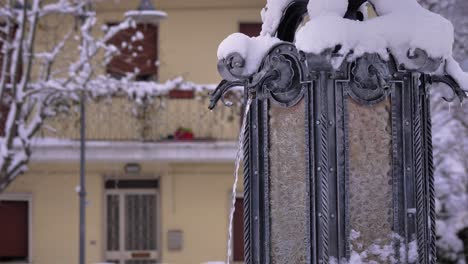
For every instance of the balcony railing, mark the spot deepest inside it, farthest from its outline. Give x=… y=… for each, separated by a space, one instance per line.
x=121 y=119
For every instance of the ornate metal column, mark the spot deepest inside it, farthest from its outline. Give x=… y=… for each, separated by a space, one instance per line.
x=337 y=162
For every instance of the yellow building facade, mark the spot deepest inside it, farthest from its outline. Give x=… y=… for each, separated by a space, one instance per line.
x=193 y=179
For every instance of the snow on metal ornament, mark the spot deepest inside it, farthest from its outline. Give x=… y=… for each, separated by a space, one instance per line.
x=416 y=38
x=338 y=147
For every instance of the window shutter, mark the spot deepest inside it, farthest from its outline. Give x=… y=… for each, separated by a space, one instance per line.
x=14 y=230
x=250 y=29
x=136 y=52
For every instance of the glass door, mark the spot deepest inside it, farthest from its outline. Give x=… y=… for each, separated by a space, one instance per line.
x=131 y=226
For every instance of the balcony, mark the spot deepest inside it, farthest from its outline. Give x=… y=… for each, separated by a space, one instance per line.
x=120 y=119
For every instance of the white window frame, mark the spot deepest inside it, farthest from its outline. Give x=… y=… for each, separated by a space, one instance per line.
x=22 y=197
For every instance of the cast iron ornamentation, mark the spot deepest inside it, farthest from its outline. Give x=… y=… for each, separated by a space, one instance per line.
x=370 y=76
x=279 y=77
x=287 y=77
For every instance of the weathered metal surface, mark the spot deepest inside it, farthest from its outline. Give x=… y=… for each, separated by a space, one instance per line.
x=289 y=215
x=331 y=151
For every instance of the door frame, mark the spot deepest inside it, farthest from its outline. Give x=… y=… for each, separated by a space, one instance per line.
x=156 y=191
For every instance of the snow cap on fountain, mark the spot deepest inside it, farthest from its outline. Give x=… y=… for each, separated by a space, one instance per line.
x=271 y=15
x=417 y=38
x=327 y=7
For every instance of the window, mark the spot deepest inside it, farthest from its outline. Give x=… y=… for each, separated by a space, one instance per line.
x=138 y=53
x=238 y=230
x=250 y=29
x=14 y=230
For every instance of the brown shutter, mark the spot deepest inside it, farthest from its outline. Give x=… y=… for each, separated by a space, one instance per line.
x=13 y=230
x=141 y=54
x=250 y=29
x=238 y=230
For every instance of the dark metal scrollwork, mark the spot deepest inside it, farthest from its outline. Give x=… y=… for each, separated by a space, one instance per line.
x=458 y=92
x=231 y=69
x=420 y=61
x=222 y=90
x=370 y=79
x=279 y=77
x=276 y=76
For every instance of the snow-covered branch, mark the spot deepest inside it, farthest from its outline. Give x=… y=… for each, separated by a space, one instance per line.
x=36 y=82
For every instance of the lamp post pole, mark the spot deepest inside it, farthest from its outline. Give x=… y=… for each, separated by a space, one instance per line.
x=82 y=189
x=82 y=192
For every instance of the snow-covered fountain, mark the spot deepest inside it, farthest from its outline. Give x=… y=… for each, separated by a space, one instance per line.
x=337 y=143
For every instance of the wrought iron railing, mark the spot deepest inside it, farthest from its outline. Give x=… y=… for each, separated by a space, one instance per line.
x=162 y=119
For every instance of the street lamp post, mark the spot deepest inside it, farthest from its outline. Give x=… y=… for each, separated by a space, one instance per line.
x=82 y=187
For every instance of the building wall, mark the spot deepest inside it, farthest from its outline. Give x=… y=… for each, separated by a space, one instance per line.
x=55 y=215
x=194 y=199
x=188 y=42
x=189 y=37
